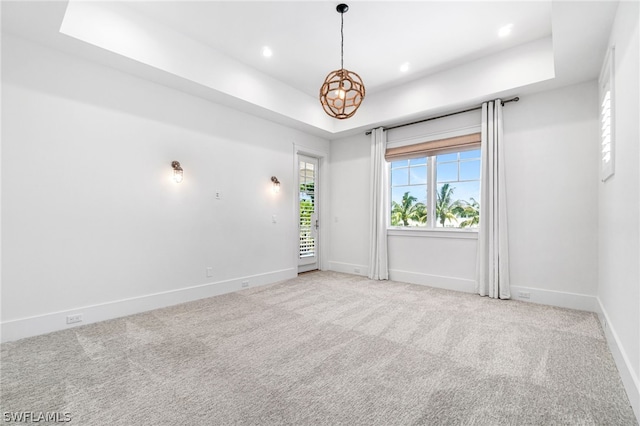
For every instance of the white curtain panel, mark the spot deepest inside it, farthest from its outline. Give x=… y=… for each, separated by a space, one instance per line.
x=493 y=242
x=378 y=260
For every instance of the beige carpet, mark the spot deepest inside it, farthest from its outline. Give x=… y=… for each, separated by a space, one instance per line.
x=327 y=349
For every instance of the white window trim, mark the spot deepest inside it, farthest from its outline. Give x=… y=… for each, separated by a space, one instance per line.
x=431 y=194
x=457 y=233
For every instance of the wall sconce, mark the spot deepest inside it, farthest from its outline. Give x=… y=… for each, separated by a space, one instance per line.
x=177 y=171
x=276 y=184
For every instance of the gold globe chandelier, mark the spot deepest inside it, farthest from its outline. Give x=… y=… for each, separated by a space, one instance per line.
x=343 y=90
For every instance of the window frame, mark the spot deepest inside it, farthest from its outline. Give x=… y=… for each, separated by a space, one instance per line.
x=430 y=228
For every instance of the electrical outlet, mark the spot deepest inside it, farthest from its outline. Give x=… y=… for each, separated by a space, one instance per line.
x=72 y=319
x=209 y=271
x=524 y=295
x=245 y=283
x=356 y=270
x=218 y=195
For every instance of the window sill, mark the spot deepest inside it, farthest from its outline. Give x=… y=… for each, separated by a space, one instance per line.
x=465 y=234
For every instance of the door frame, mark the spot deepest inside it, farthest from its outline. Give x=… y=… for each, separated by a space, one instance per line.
x=322 y=205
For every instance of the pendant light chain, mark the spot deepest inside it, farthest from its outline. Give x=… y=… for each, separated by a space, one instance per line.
x=342 y=40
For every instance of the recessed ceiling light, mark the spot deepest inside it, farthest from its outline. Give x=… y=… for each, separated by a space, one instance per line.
x=505 y=31
x=267 y=52
x=404 y=67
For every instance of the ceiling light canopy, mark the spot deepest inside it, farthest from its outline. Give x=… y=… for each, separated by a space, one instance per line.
x=343 y=90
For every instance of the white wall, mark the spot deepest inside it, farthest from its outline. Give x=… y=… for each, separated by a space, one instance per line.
x=552 y=190
x=438 y=261
x=619 y=208
x=349 y=192
x=552 y=154
x=91 y=221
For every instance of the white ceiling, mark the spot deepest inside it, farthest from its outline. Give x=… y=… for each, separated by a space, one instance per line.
x=441 y=40
x=379 y=36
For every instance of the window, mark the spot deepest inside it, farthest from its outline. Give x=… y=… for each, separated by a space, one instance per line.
x=458 y=186
x=409 y=192
x=437 y=191
x=607 y=140
x=307 y=194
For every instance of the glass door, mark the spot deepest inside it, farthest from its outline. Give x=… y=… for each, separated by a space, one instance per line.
x=308 y=207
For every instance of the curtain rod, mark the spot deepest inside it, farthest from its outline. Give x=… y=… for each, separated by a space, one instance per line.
x=516 y=99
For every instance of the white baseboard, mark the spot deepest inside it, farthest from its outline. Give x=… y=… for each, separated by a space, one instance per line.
x=561 y=299
x=447 y=283
x=630 y=380
x=349 y=268
x=55 y=321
